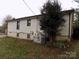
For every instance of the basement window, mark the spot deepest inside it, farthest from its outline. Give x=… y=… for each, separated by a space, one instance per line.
x=17 y=34
x=28 y=35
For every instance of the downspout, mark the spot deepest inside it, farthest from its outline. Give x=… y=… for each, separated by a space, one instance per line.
x=72 y=24
x=7 y=29
x=69 y=25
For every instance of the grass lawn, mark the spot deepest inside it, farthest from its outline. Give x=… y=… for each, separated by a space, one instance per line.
x=11 y=48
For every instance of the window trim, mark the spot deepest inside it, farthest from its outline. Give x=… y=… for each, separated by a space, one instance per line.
x=29 y=22
x=18 y=25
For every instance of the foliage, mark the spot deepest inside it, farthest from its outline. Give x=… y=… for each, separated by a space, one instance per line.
x=51 y=18
x=4 y=25
x=75 y=34
x=63 y=44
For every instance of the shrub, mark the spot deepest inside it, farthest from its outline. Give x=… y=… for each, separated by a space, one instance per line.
x=75 y=34
x=59 y=44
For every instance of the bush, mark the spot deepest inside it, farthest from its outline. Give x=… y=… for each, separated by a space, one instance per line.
x=59 y=44
x=75 y=34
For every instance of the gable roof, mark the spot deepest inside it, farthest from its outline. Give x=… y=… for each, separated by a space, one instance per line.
x=37 y=16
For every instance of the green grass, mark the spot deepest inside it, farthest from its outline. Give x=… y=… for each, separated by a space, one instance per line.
x=11 y=48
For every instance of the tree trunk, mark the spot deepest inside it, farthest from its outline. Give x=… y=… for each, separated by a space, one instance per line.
x=52 y=38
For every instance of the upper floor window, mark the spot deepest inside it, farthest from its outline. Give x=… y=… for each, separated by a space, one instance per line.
x=18 y=24
x=29 y=22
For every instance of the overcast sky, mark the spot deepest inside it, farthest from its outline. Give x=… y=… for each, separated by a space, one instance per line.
x=17 y=8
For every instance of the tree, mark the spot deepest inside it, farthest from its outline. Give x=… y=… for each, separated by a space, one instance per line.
x=76 y=1
x=4 y=25
x=75 y=34
x=51 y=19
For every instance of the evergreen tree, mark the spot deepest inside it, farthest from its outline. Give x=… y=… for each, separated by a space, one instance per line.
x=51 y=19
x=75 y=34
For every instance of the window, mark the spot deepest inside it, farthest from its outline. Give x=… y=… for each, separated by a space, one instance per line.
x=18 y=25
x=17 y=34
x=28 y=35
x=29 y=22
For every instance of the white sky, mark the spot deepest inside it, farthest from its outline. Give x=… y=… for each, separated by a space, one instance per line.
x=16 y=8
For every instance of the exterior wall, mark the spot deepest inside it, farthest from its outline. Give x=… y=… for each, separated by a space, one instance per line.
x=24 y=29
x=67 y=28
x=12 y=29
x=35 y=28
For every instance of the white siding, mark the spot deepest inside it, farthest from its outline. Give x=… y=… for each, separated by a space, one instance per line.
x=68 y=24
x=65 y=29
x=12 y=29
x=35 y=27
x=24 y=29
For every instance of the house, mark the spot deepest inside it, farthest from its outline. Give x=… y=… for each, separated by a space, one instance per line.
x=29 y=27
